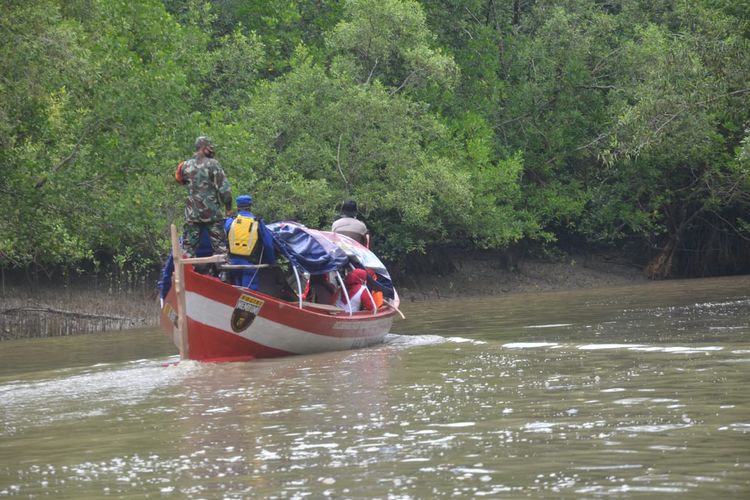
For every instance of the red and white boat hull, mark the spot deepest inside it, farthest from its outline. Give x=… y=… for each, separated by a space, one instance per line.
x=228 y=323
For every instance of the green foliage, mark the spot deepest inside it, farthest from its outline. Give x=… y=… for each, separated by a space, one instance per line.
x=281 y=25
x=236 y=64
x=452 y=122
x=315 y=138
x=388 y=40
x=99 y=92
x=677 y=121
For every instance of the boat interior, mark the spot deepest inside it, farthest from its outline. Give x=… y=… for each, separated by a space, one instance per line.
x=318 y=291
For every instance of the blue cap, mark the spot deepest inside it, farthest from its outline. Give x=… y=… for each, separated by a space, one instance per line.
x=244 y=200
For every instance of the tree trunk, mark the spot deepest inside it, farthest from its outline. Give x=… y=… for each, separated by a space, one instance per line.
x=660 y=267
x=516 y=12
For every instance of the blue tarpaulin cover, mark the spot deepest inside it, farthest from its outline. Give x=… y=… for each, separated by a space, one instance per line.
x=358 y=254
x=307 y=250
x=319 y=252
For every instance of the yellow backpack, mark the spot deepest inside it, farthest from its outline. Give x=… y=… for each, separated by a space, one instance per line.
x=243 y=236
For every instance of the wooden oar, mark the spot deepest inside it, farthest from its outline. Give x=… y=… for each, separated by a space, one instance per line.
x=394 y=307
x=243 y=266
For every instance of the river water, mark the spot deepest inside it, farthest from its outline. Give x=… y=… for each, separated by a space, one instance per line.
x=633 y=391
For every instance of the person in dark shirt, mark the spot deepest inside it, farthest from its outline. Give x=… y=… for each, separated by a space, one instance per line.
x=348 y=224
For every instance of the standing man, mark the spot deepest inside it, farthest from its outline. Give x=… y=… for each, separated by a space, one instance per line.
x=250 y=242
x=208 y=192
x=348 y=224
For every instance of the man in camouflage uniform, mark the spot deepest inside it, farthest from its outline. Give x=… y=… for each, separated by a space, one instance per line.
x=208 y=191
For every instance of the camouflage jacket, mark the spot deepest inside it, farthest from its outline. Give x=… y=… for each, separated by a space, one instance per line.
x=208 y=189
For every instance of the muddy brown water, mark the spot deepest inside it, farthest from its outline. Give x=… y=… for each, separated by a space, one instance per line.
x=630 y=392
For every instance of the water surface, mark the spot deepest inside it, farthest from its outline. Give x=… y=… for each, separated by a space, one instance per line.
x=630 y=391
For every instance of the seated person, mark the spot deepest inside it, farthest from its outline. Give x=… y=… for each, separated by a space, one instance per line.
x=375 y=288
x=249 y=242
x=318 y=289
x=348 y=224
x=359 y=296
x=380 y=284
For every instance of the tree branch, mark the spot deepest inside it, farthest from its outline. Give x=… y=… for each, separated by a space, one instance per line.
x=369 y=77
x=597 y=87
x=41 y=182
x=472 y=15
x=403 y=84
x=338 y=164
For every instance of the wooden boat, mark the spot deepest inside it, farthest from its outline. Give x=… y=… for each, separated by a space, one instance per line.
x=210 y=320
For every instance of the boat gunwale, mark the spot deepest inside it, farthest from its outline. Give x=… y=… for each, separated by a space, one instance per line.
x=339 y=315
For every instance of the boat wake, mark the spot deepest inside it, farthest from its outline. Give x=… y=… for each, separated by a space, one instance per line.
x=680 y=349
x=394 y=339
x=85 y=392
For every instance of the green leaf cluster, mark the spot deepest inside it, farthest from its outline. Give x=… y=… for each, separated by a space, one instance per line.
x=461 y=123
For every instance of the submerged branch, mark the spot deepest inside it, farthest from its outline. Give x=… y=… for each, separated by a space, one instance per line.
x=18 y=310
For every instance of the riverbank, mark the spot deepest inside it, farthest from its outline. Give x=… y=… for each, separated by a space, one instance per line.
x=85 y=306
x=485 y=275
x=88 y=305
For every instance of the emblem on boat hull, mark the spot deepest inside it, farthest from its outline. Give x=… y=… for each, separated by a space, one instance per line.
x=244 y=313
x=171 y=314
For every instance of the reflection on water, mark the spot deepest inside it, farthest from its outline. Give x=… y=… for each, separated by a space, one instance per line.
x=629 y=391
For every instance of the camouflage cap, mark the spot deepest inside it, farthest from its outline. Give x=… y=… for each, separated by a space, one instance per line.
x=202 y=142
